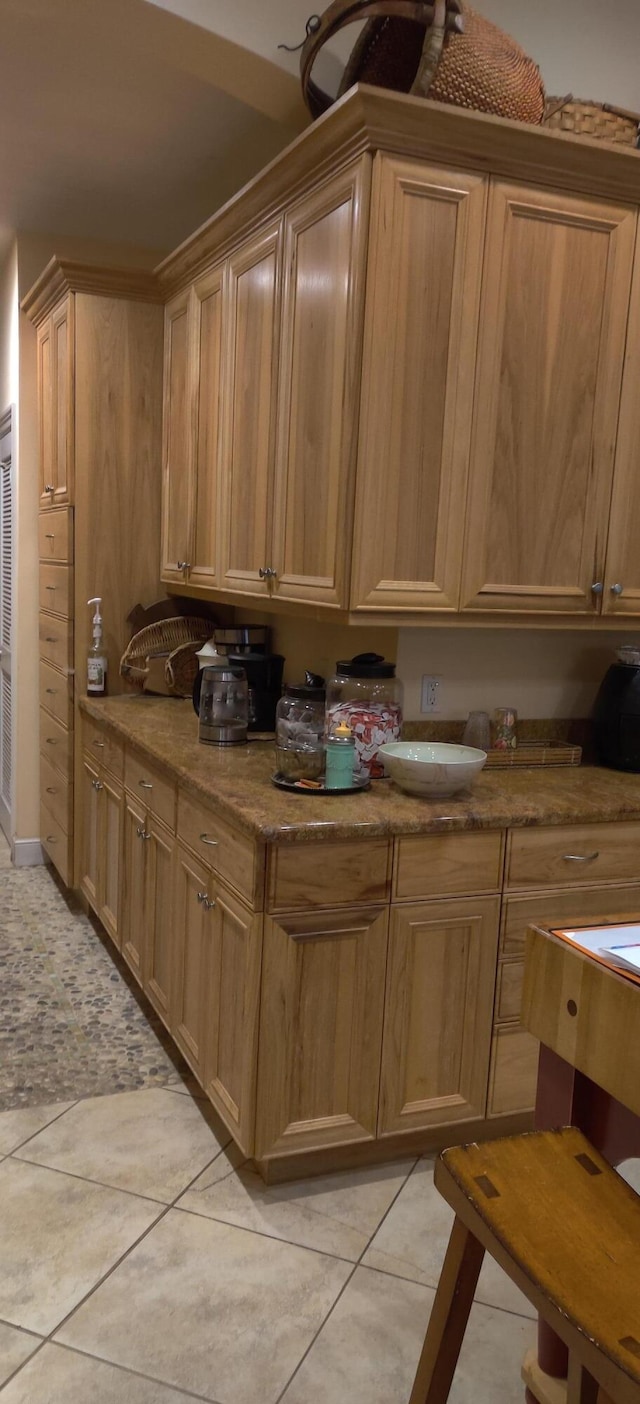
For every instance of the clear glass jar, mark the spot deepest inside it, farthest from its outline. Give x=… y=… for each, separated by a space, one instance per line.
x=367 y=695
x=300 y=730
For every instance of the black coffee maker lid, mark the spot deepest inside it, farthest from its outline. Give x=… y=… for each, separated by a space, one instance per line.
x=366 y=665
x=311 y=690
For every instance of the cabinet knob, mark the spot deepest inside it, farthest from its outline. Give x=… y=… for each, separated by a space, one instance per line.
x=267 y=573
x=617 y=589
x=52 y=740
x=209 y=902
x=97 y=785
x=183 y=565
x=202 y=896
x=597 y=587
x=50 y=587
x=142 y=834
x=49 y=487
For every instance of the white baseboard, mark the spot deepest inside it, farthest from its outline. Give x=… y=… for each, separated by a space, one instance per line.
x=26 y=853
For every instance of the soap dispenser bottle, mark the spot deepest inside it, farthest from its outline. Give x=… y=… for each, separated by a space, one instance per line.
x=96 y=658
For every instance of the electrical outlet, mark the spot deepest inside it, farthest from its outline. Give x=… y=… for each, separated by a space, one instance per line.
x=430 y=698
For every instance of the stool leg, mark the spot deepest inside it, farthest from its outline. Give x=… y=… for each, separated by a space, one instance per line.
x=581 y=1386
x=449 y=1316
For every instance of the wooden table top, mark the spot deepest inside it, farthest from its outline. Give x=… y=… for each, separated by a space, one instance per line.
x=586 y=1013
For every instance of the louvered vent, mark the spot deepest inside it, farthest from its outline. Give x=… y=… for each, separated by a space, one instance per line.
x=5 y=739
x=5 y=556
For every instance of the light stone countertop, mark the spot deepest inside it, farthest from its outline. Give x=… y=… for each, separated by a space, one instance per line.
x=235 y=781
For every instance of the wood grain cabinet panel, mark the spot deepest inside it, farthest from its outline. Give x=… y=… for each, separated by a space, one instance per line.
x=208 y=299
x=154 y=791
x=230 y=854
x=57 y=794
x=56 y=694
x=252 y=342
x=55 y=353
x=134 y=888
x=178 y=464
x=55 y=535
x=232 y=1013
x=111 y=834
x=56 y=589
x=191 y=937
x=621 y=594
x=322 y=311
x=434 y=865
x=303 y=876
x=56 y=641
x=56 y=844
x=320 y=1029
x=90 y=834
x=565 y=907
x=438 y=1013
x=552 y=336
x=423 y=290
x=514 y=1071
x=158 y=916
x=56 y=742
x=584 y=854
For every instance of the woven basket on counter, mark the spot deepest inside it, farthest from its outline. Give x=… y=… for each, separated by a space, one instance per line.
x=443 y=50
x=167 y=637
x=598 y=120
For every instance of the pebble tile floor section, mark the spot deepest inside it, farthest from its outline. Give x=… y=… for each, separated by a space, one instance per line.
x=142 y=1261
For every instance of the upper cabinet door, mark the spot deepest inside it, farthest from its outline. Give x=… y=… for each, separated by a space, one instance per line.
x=621 y=594
x=178 y=454
x=56 y=404
x=553 y=325
x=423 y=293
x=208 y=295
x=323 y=301
x=252 y=359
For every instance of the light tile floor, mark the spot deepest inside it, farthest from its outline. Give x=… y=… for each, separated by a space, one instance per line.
x=142 y=1261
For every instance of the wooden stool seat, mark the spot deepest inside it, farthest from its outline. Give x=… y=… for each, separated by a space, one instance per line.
x=566 y=1229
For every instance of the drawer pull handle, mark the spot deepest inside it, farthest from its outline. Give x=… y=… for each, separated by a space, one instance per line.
x=50 y=535
x=51 y=838
x=50 y=587
x=52 y=789
x=100 y=744
x=52 y=740
x=213 y=843
x=142 y=833
x=50 y=639
x=581 y=857
x=51 y=690
x=144 y=785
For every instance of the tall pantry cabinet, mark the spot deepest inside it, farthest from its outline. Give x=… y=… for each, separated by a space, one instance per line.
x=99 y=357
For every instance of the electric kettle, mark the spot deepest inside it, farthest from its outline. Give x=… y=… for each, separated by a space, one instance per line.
x=222 y=705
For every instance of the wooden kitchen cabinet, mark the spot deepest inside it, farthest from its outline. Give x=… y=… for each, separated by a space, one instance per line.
x=158 y=844
x=232 y=1012
x=134 y=887
x=423 y=292
x=319 y=364
x=621 y=593
x=101 y=847
x=252 y=348
x=55 y=352
x=553 y=320
x=323 y=976
x=191 y=936
x=438 y=1012
x=193 y=442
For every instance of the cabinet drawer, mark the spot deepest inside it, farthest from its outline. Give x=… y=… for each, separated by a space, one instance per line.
x=306 y=875
x=103 y=748
x=581 y=853
x=56 y=742
x=56 y=693
x=56 y=589
x=434 y=865
x=514 y=1071
x=562 y=908
x=225 y=850
x=57 y=845
x=56 y=792
x=55 y=535
x=152 y=790
x=509 y=989
x=56 y=641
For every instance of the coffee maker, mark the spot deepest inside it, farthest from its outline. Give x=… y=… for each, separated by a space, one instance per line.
x=264 y=677
x=617 y=712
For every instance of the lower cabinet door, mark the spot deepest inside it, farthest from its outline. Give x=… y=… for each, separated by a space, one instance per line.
x=438 y=1013
x=90 y=821
x=192 y=922
x=323 y=976
x=514 y=1071
x=234 y=950
x=134 y=865
x=157 y=968
x=111 y=815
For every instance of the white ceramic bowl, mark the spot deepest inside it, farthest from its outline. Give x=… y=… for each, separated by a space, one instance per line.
x=434 y=770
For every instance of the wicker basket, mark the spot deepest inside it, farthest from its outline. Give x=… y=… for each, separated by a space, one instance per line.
x=592 y=119
x=181 y=668
x=443 y=50
x=163 y=637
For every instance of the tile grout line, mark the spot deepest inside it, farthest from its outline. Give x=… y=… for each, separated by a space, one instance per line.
x=124 y=1369
x=46 y=1126
x=345 y=1284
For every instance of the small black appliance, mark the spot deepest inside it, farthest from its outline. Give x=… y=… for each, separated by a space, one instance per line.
x=264 y=676
x=617 y=712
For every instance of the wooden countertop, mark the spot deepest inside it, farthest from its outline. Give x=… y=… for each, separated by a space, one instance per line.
x=235 y=781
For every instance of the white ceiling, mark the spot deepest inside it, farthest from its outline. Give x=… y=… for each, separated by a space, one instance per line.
x=121 y=122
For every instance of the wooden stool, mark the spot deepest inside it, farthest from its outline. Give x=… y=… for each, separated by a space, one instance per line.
x=566 y=1229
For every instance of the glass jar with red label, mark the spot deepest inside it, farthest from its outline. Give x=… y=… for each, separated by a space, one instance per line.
x=366 y=694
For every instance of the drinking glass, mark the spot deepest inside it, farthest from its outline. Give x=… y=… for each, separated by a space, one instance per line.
x=477 y=731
